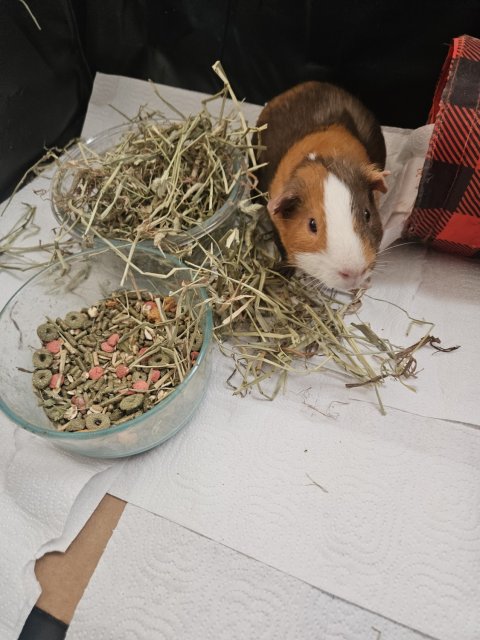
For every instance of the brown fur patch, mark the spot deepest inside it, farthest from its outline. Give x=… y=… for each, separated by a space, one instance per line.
x=306 y=183
x=309 y=108
x=301 y=180
x=369 y=252
x=335 y=141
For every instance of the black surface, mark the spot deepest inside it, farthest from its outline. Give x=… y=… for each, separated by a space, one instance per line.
x=389 y=54
x=44 y=84
x=42 y=626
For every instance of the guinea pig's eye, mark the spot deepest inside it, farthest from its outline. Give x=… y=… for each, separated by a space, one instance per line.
x=312 y=224
x=366 y=215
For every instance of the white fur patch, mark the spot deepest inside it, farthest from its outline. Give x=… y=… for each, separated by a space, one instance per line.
x=344 y=252
x=344 y=247
x=312 y=156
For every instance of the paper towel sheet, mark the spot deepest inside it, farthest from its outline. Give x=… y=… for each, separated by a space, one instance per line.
x=41 y=230
x=444 y=290
x=394 y=526
x=32 y=522
x=373 y=554
x=127 y=95
x=46 y=496
x=159 y=580
x=406 y=156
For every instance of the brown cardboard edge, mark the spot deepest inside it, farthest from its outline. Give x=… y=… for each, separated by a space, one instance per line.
x=63 y=577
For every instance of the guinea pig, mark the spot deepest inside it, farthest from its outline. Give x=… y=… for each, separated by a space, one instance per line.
x=326 y=157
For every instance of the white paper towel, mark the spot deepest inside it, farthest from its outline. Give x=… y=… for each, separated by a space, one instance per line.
x=46 y=496
x=403 y=537
x=393 y=528
x=40 y=230
x=159 y=580
x=444 y=290
x=127 y=95
x=406 y=155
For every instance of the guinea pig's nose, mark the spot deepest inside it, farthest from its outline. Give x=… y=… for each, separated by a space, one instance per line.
x=353 y=273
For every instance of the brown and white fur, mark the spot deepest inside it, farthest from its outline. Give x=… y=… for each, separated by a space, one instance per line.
x=326 y=154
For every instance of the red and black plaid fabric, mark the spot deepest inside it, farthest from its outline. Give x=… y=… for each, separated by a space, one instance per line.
x=447 y=208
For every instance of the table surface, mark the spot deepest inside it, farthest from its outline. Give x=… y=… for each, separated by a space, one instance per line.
x=232 y=545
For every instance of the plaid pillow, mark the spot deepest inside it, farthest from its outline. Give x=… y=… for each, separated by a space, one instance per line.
x=447 y=209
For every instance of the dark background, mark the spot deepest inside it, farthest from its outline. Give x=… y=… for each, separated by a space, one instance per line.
x=387 y=53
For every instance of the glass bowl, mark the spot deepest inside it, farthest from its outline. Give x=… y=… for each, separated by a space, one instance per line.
x=213 y=228
x=93 y=275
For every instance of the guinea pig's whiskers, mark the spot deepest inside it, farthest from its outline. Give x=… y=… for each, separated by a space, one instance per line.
x=314 y=283
x=311 y=280
x=395 y=246
x=328 y=292
x=319 y=287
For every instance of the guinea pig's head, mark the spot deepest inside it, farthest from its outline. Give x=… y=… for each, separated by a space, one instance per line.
x=327 y=218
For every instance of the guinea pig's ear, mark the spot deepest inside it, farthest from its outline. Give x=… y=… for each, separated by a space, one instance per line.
x=376 y=177
x=283 y=205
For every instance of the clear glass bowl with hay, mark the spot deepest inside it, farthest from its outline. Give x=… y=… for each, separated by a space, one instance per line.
x=173 y=183
x=79 y=283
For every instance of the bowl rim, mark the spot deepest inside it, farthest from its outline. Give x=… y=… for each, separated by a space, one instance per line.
x=91 y=435
x=236 y=195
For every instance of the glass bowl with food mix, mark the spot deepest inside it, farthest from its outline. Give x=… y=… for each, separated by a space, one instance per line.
x=103 y=369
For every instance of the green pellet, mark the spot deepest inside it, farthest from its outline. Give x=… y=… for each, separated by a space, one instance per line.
x=41 y=378
x=89 y=341
x=47 y=332
x=147 y=403
x=129 y=417
x=70 y=339
x=114 y=400
x=158 y=361
x=133 y=295
x=96 y=421
x=131 y=403
x=76 y=320
x=80 y=364
x=62 y=325
x=76 y=383
x=42 y=359
x=116 y=414
x=76 y=424
x=98 y=384
x=55 y=413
